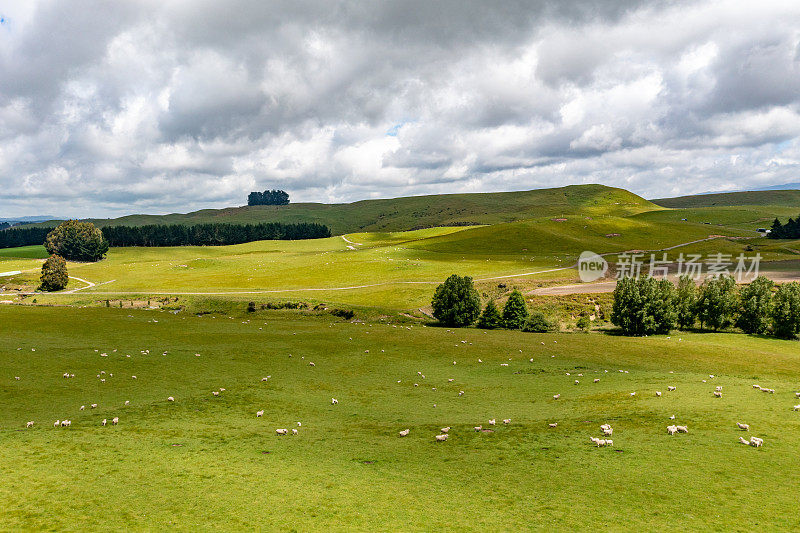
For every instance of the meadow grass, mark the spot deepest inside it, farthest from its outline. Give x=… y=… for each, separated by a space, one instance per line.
x=208 y=462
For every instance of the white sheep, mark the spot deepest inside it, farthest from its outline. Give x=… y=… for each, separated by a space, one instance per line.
x=294 y=431
x=682 y=429
x=658 y=394
x=263 y=379
x=405 y=432
x=215 y=393
x=552 y=425
x=633 y=394
x=461 y=393
x=797 y=394
x=29 y=424
x=609 y=442
x=93 y=406
x=743 y=440
x=672 y=429
x=115 y=420
x=597 y=380
x=82 y=407
x=577 y=382
x=492 y=422
x=104 y=422
x=556 y=396
x=719 y=388
x=282 y=431
x=478 y=428
x=445 y=430
x=608 y=431
x=441 y=438
x=57 y=423
x=334 y=401
x=670 y=388
x=506 y=421
x=717 y=394
x=260 y=413
x=745 y=427
x=127 y=402
x=756 y=386
x=170 y=399
x=755 y=441
x=796 y=408
x=311 y=364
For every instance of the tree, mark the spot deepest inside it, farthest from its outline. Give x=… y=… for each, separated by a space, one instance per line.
x=54 y=274
x=755 y=311
x=273 y=197
x=490 y=318
x=77 y=241
x=644 y=306
x=536 y=322
x=686 y=302
x=515 y=311
x=717 y=304
x=786 y=311
x=456 y=302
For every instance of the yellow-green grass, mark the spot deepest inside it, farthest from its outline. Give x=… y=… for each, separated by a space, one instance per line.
x=207 y=462
x=741 y=217
x=788 y=198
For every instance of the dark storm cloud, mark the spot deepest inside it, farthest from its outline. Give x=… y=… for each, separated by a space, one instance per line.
x=107 y=108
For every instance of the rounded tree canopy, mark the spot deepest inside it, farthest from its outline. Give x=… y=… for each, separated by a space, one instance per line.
x=77 y=241
x=54 y=274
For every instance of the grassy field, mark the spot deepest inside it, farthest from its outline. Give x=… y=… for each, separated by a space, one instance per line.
x=402 y=214
x=206 y=460
x=786 y=198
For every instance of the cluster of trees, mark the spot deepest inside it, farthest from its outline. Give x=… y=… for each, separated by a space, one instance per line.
x=647 y=306
x=76 y=241
x=273 y=197
x=210 y=234
x=14 y=237
x=54 y=274
x=456 y=303
x=790 y=230
x=4 y=225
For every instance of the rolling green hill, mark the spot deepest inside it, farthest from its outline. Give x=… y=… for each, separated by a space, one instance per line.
x=401 y=214
x=787 y=198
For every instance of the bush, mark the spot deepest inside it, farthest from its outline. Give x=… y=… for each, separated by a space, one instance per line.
x=251 y=307
x=644 y=306
x=346 y=314
x=76 y=241
x=490 y=318
x=584 y=323
x=536 y=322
x=515 y=311
x=456 y=302
x=54 y=274
x=717 y=304
x=755 y=311
x=686 y=302
x=786 y=311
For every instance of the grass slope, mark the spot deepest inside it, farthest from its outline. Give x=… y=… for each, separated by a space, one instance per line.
x=207 y=461
x=787 y=198
x=400 y=214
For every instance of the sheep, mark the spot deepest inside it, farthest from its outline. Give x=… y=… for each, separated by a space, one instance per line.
x=294 y=431
x=29 y=424
x=556 y=396
x=743 y=440
x=104 y=422
x=658 y=394
x=577 y=382
x=478 y=428
x=263 y=379
x=797 y=394
x=127 y=402
x=682 y=429
x=405 y=432
x=450 y=380
x=609 y=442
x=83 y=407
x=311 y=364
x=552 y=425
x=503 y=364
x=796 y=408
x=717 y=394
x=93 y=406
x=633 y=394
x=492 y=422
x=170 y=399
x=755 y=441
x=445 y=430
x=672 y=429
x=57 y=423
x=215 y=393
x=461 y=393
x=506 y=421
x=745 y=427
x=670 y=388
x=221 y=389
x=282 y=431
x=334 y=401
x=65 y=423
x=672 y=417
x=756 y=386
x=16 y=377
x=608 y=431
x=260 y=413
x=600 y=442
x=133 y=377
x=441 y=438
x=115 y=420
x=597 y=380
x=718 y=389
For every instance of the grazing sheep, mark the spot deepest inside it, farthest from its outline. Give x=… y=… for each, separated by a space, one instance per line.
x=260 y=413
x=215 y=393
x=718 y=389
x=127 y=402
x=717 y=394
x=796 y=408
x=83 y=407
x=658 y=394
x=577 y=382
x=93 y=406
x=221 y=389
x=492 y=422
x=294 y=431
x=756 y=386
x=133 y=377
x=556 y=396
x=633 y=394
x=609 y=442
x=311 y=364
x=672 y=429
x=608 y=431
x=115 y=420
x=672 y=417
x=503 y=364
x=478 y=428
x=682 y=429
x=405 y=432
x=263 y=379
x=65 y=423
x=461 y=393
x=745 y=427
x=29 y=425
x=416 y=384
x=16 y=377
x=170 y=399
x=554 y=424
x=441 y=438
x=743 y=440
x=57 y=423
x=670 y=388
x=797 y=394
x=104 y=422
x=450 y=380
x=445 y=430
x=334 y=401
x=755 y=441
x=597 y=380
x=282 y=431
x=506 y=421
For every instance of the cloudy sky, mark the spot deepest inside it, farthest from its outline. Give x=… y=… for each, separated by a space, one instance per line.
x=109 y=108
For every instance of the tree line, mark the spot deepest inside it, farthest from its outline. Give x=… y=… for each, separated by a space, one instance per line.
x=14 y=237
x=790 y=230
x=647 y=306
x=273 y=197
x=216 y=234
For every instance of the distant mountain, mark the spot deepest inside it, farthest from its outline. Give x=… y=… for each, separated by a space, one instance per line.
x=776 y=197
x=784 y=187
x=37 y=218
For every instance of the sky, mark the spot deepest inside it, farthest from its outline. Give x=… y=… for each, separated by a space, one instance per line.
x=112 y=108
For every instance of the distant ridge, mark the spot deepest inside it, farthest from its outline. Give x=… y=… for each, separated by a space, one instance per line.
x=782 y=197
x=415 y=212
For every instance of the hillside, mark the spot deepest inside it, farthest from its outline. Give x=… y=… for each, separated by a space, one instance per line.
x=785 y=198
x=400 y=214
